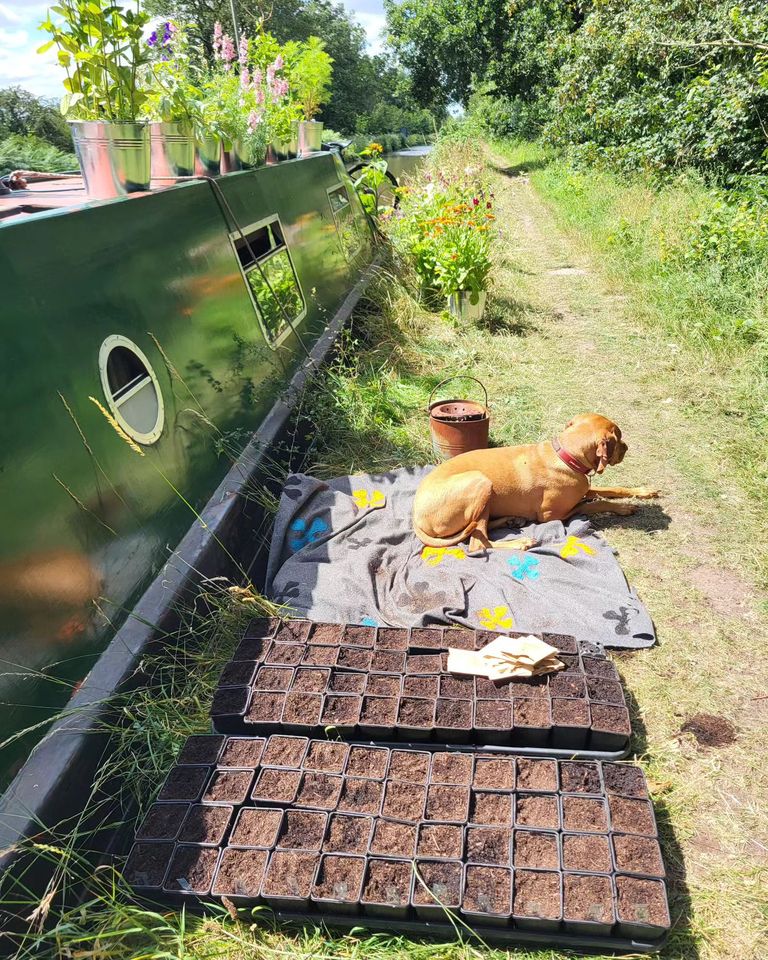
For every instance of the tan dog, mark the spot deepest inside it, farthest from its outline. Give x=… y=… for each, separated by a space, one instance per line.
x=485 y=489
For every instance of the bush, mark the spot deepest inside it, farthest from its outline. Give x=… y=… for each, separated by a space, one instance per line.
x=31 y=153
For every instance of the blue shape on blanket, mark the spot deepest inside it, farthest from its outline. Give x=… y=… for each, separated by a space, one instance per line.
x=307 y=535
x=522 y=567
x=369 y=622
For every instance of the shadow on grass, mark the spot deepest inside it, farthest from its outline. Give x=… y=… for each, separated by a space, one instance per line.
x=520 y=169
x=506 y=314
x=682 y=943
x=649 y=518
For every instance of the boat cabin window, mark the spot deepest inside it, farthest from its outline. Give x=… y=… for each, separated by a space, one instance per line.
x=271 y=278
x=132 y=389
x=349 y=226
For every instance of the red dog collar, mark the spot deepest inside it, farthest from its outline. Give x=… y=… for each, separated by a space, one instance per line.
x=569 y=460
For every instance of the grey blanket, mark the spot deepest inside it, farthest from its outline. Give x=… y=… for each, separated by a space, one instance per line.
x=343 y=551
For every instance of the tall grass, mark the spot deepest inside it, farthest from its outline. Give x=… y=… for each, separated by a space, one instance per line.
x=31 y=153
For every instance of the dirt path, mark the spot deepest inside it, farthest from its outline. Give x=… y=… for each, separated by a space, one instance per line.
x=575 y=347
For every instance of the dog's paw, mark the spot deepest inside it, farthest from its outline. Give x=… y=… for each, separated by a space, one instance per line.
x=520 y=543
x=646 y=493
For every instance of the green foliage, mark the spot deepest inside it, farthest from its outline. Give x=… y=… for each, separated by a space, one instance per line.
x=25 y=114
x=31 y=153
x=311 y=75
x=101 y=47
x=172 y=80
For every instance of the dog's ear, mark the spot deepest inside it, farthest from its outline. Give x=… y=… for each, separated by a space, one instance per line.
x=604 y=451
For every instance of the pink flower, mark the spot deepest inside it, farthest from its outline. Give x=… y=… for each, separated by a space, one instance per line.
x=228 y=52
x=245 y=79
x=217 y=40
x=279 y=62
x=475 y=202
x=243 y=51
x=258 y=76
x=259 y=93
x=254 y=119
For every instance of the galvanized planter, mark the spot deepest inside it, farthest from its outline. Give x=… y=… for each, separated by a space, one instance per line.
x=247 y=157
x=310 y=137
x=114 y=158
x=467 y=305
x=173 y=150
x=208 y=153
x=457 y=426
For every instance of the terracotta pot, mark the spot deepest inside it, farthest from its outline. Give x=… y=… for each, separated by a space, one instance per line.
x=457 y=426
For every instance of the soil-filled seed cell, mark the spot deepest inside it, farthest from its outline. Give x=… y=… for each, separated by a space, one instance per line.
x=287 y=654
x=228 y=786
x=410 y=766
x=200 y=749
x=339 y=878
x=276 y=786
x=584 y=814
x=587 y=898
x=303 y=709
x=345 y=681
x=230 y=701
x=570 y=663
x=341 y=710
x=379 y=711
x=536 y=688
x=563 y=642
x=252 y=650
x=491 y=809
x=302 y=830
x=607 y=718
x=537 y=894
x=382 y=685
x=625 y=779
x=493 y=714
x=388 y=661
x=452 y=768
x=238 y=673
x=311 y=679
x=265 y=707
x=638 y=855
x=459 y=639
x=454 y=714
x=256 y=827
x=538 y=775
x=486 y=689
x=368 y=762
x=191 y=869
x=320 y=790
x=457 y=688
x=605 y=691
x=184 y=783
x=493 y=773
x=489 y=845
x=423 y=687
x=586 y=851
x=282 y=751
x=240 y=873
x=536 y=849
x=442 y=841
x=361 y=796
x=642 y=901
x=423 y=663
x=262 y=627
x=599 y=667
x=292 y=631
x=567 y=685
x=531 y=713
x=387 y=882
x=354 y=658
x=326 y=756
x=162 y=822
x=394 y=839
x=273 y=678
x=319 y=656
x=579 y=777
x=440 y=886
x=570 y=713
x=359 y=636
x=242 y=752
x=632 y=816
x=147 y=864
x=423 y=638
x=348 y=833
x=447 y=802
x=206 y=824
x=537 y=810
x=391 y=638
x=416 y=713
x=289 y=874
x=327 y=634
x=488 y=890
x=403 y=801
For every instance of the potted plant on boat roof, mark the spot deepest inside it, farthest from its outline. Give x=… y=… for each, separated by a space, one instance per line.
x=102 y=49
x=312 y=72
x=273 y=90
x=172 y=103
x=462 y=267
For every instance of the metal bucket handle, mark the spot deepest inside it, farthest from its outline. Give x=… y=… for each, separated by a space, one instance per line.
x=459 y=376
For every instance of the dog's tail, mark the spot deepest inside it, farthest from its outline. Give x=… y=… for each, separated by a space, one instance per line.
x=451 y=541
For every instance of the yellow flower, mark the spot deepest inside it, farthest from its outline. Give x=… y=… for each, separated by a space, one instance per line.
x=497 y=619
x=375 y=148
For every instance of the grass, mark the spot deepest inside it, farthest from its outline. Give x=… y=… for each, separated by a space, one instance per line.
x=570 y=326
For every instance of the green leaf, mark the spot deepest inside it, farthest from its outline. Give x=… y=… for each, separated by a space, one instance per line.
x=46 y=47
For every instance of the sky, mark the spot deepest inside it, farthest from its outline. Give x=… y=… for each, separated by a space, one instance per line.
x=20 y=65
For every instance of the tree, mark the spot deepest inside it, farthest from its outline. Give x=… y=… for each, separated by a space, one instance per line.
x=25 y=114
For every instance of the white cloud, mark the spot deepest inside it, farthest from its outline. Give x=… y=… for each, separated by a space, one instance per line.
x=20 y=64
x=9 y=15
x=374 y=25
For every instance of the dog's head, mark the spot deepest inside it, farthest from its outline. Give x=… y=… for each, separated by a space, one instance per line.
x=596 y=439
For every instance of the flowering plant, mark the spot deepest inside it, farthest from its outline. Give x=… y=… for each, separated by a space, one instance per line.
x=171 y=80
x=372 y=178
x=271 y=80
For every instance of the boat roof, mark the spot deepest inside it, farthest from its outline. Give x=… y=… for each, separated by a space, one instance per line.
x=59 y=193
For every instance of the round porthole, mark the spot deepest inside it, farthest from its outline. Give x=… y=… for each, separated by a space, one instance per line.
x=132 y=389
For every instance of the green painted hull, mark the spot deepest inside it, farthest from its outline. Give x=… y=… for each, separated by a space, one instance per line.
x=89 y=521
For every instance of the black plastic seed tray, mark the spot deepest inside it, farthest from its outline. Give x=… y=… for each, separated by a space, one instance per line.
x=521 y=848
x=392 y=684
